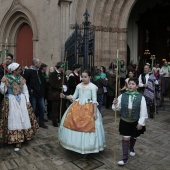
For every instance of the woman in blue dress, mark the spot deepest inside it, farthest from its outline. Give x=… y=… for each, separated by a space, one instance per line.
x=81 y=129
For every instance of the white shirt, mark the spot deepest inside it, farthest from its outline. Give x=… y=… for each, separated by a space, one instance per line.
x=140 y=80
x=146 y=77
x=143 y=109
x=166 y=71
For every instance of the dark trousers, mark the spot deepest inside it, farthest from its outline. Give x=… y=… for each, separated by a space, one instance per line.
x=165 y=82
x=100 y=101
x=49 y=109
x=56 y=110
x=38 y=102
x=122 y=82
x=109 y=101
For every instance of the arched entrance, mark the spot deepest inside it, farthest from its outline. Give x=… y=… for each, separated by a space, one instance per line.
x=149 y=31
x=24 y=46
x=19 y=26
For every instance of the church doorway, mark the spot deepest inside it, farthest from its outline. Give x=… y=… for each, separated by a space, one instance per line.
x=148 y=33
x=24 y=46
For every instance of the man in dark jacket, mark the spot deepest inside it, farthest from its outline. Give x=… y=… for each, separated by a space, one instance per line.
x=110 y=88
x=56 y=83
x=100 y=83
x=36 y=86
x=74 y=78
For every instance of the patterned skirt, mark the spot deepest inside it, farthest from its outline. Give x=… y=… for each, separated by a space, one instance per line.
x=15 y=136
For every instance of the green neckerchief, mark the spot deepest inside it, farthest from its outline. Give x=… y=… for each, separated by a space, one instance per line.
x=95 y=78
x=16 y=79
x=103 y=75
x=45 y=76
x=132 y=94
x=166 y=67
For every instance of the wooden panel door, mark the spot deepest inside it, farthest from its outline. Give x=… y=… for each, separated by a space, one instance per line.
x=24 y=46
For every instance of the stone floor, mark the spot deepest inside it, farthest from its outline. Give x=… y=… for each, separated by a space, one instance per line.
x=45 y=153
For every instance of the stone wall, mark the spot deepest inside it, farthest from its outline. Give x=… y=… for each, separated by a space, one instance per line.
x=50 y=21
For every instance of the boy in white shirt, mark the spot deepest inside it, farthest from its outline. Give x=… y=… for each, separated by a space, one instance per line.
x=133 y=110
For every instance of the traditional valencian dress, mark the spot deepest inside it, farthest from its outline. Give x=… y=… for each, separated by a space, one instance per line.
x=18 y=123
x=78 y=130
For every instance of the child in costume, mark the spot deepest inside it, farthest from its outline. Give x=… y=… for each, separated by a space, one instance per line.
x=81 y=129
x=18 y=122
x=130 y=75
x=133 y=110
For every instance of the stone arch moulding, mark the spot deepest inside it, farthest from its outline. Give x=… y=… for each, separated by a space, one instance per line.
x=16 y=16
x=123 y=25
x=115 y=25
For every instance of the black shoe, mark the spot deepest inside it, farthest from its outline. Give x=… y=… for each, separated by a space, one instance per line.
x=49 y=117
x=55 y=124
x=151 y=116
x=44 y=126
x=45 y=120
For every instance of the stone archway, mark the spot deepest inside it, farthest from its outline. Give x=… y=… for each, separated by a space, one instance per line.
x=110 y=20
x=16 y=16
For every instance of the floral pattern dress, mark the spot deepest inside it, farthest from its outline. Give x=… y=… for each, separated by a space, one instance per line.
x=17 y=122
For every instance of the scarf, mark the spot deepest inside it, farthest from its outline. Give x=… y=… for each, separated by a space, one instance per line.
x=132 y=94
x=95 y=78
x=45 y=76
x=149 y=91
x=166 y=67
x=103 y=75
x=12 y=79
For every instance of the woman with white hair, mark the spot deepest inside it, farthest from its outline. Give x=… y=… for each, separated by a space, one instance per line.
x=18 y=122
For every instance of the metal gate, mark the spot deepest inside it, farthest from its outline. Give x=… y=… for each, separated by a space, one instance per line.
x=80 y=45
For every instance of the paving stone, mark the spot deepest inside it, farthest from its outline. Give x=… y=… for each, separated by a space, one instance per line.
x=68 y=166
x=20 y=161
x=27 y=167
x=88 y=163
x=45 y=164
x=32 y=158
x=58 y=162
x=3 y=166
x=11 y=164
x=44 y=152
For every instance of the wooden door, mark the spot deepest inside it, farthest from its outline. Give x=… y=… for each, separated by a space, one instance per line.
x=24 y=46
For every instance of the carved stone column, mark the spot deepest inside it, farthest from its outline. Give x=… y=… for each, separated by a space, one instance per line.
x=64 y=22
x=122 y=43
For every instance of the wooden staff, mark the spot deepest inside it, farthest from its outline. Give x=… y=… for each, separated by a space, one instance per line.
x=52 y=60
x=5 y=70
x=61 y=100
x=3 y=117
x=115 y=111
x=1 y=142
x=155 y=99
x=5 y=56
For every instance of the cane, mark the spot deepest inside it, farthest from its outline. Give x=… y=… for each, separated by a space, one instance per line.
x=3 y=116
x=155 y=100
x=115 y=111
x=61 y=100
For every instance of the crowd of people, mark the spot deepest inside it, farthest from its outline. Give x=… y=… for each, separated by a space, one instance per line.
x=74 y=102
